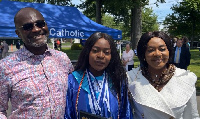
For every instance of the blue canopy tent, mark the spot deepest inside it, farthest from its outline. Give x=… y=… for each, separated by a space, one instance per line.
x=62 y=21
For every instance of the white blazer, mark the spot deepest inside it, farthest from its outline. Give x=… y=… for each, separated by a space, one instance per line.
x=176 y=100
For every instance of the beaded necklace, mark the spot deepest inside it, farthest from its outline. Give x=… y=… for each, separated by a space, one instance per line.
x=163 y=79
x=79 y=88
x=77 y=97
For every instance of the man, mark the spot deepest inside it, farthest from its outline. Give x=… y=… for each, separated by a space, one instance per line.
x=5 y=49
x=185 y=42
x=18 y=45
x=1 y=49
x=182 y=55
x=34 y=77
x=58 y=44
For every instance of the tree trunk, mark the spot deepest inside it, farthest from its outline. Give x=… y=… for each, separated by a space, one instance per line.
x=136 y=25
x=98 y=11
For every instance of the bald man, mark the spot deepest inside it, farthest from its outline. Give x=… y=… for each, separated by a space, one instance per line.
x=34 y=77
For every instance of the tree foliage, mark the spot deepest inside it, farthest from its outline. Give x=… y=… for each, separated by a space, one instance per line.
x=184 y=20
x=149 y=20
x=54 y=2
x=126 y=13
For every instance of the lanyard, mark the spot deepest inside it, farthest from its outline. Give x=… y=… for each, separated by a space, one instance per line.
x=79 y=88
x=93 y=102
x=77 y=97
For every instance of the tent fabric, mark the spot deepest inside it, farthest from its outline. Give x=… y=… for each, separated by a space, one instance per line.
x=62 y=21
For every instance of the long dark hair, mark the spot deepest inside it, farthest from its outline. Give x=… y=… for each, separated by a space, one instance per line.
x=142 y=46
x=114 y=69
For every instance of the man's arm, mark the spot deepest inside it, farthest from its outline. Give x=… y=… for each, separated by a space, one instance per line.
x=4 y=95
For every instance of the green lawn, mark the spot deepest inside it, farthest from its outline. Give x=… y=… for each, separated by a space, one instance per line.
x=72 y=54
x=193 y=67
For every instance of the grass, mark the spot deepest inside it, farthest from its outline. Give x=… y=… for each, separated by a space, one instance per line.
x=193 y=67
x=72 y=54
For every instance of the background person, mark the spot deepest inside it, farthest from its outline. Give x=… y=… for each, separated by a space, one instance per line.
x=5 y=48
x=58 y=44
x=174 y=41
x=1 y=49
x=98 y=85
x=18 y=45
x=55 y=45
x=127 y=58
x=35 y=76
x=118 y=45
x=181 y=56
x=159 y=89
x=185 y=42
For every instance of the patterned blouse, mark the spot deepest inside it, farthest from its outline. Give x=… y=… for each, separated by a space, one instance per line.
x=35 y=84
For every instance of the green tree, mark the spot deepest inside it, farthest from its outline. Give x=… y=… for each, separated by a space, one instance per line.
x=54 y=2
x=108 y=20
x=149 y=20
x=184 y=20
x=127 y=11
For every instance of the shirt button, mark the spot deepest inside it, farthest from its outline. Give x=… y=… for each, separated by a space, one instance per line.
x=142 y=115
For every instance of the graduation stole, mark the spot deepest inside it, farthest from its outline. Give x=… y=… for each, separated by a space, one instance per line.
x=93 y=102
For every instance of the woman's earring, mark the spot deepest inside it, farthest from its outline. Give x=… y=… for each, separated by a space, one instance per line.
x=144 y=59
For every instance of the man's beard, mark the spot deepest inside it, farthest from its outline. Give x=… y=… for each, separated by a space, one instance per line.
x=35 y=44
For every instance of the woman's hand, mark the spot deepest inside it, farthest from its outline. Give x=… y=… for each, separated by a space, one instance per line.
x=124 y=62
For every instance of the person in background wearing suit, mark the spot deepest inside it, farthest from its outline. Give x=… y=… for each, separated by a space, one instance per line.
x=161 y=90
x=185 y=42
x=181 y=56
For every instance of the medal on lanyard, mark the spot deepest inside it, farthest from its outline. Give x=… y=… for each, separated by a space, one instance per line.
x=93 y=102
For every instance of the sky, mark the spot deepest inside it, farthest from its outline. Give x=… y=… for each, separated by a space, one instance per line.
x=161 y=11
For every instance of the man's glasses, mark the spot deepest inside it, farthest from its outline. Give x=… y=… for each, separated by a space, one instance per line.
x=29 y=26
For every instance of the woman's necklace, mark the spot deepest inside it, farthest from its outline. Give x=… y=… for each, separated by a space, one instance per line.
x=159 y=82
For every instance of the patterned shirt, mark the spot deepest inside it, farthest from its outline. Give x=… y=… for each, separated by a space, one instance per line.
x=36 y=84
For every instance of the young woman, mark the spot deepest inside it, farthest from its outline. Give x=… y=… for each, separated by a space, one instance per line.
x=159 y=89
x=98 y=86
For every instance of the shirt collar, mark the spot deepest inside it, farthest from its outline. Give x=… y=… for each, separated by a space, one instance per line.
x=25 y=53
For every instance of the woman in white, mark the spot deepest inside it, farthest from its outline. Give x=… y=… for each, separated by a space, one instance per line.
x=127 y=58
x=159 y=89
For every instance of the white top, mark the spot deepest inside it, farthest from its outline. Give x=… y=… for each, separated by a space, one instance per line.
x=128 y=56
x=176 y=100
